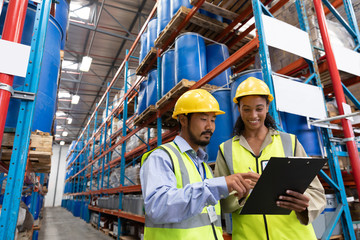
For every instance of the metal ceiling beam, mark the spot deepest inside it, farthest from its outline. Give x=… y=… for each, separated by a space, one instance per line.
x=129 y=33
x=77 y=81
x=117 y=55
x=125 y=9
x=93 y=28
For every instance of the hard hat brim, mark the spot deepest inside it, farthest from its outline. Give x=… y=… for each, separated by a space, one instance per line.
x=218 y=112
x=270 y=97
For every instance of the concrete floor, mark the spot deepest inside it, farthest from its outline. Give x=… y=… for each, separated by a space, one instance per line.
x=60 y=224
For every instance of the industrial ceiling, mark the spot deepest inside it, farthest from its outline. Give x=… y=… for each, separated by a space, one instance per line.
x=102 y=30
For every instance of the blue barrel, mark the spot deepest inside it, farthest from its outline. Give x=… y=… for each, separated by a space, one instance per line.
x=163 y=15
x=143 y=47
x=27 y=200
x=46 y=96
x=237 y=79
x=86 y=213
x=151 y=92
x=167 y=72
x=176 y=4
x=62 y=17
x=216 y=54
x=309 y=138
x=77 y=208
x=190 y=57
x=151 y=34
x=223 y=123
x=35 y=235
x=211 y=15
x=38 y=206
x=142 y=97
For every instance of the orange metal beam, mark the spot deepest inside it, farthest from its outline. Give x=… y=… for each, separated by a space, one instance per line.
x=118 y=213
x=245 y=65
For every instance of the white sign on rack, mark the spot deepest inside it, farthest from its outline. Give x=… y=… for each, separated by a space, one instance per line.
x=14 y=58
x=299 y=98
x=286 y=37
x=346 y=59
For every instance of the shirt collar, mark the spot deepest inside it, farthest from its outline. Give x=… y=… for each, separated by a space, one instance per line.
x=185 y=147
x=271 y=133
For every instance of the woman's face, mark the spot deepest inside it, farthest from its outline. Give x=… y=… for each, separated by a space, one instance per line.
x=253 y=111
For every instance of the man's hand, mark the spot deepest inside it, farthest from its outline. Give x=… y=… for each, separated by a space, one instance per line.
x=241 y=183
x=295 y=201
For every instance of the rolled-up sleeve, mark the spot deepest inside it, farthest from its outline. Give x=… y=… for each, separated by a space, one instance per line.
x=164 y=202
x=231 y=203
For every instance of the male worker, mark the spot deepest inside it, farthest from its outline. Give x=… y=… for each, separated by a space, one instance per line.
x=180 y=194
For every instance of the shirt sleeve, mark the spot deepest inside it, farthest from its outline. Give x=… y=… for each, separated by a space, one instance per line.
x=231 y=203
x=315 y=192
x=164 y=202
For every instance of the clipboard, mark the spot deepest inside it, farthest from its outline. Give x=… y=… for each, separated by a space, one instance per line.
x=281 y=174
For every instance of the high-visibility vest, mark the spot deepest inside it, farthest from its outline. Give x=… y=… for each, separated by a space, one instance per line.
x=262 y=226
x=196 y=227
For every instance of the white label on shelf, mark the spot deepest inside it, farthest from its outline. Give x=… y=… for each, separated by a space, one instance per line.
x=14 y=58
x=346 y=59
x=286 y=37
x=347 y=110
x=299 y=98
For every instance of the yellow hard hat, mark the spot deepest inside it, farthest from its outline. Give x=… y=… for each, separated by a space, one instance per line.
x=252 y=86
x=195 y=101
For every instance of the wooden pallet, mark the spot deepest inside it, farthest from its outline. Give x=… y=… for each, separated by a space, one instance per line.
x=93 y=225
x=40 y=151
x=199 y=23
x=144 y=66
x=105 y=231
x=228 y=9
x=148 y=113
x=167 y=121
x=178 y=90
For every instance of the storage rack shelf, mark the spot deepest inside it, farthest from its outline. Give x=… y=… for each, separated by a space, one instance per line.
x=243 y=50
x=27 y=155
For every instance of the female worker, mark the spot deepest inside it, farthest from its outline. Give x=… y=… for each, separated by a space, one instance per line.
x=256 y=140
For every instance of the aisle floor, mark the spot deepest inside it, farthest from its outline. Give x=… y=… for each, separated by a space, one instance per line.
x=59 y=224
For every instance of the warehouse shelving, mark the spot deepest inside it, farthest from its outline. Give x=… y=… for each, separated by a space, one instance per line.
x=19 y=157
x=243 y=55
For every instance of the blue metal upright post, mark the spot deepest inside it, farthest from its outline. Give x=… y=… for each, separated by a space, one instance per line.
x=264 y=57
x=159 y=127
x=10 y=208
x=123 y=147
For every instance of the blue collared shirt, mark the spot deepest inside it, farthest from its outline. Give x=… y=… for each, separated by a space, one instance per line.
x=164 y=202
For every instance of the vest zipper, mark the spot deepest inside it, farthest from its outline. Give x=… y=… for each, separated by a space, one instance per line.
x=264 y=216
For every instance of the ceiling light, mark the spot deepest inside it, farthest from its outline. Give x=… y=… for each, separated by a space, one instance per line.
x=62 y=143
x=75 y=99
x=69 y=120
x=85 y=64
x=79 y=11
x=64 y=94
x=65 y=133
x=60 y=114
x=69 y=65
x=57 y=135
x=58 y=127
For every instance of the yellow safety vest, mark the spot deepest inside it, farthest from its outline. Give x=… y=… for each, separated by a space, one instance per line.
x=196 y=227
x=264 y=226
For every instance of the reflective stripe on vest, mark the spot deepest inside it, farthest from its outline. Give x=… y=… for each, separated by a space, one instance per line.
x=195 y=227
x=286 y=140
x=254 y=226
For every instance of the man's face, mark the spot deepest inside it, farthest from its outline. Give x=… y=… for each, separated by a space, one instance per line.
x=200 y=128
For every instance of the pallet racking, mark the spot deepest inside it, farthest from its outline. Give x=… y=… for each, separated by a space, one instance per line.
x=243 y=52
